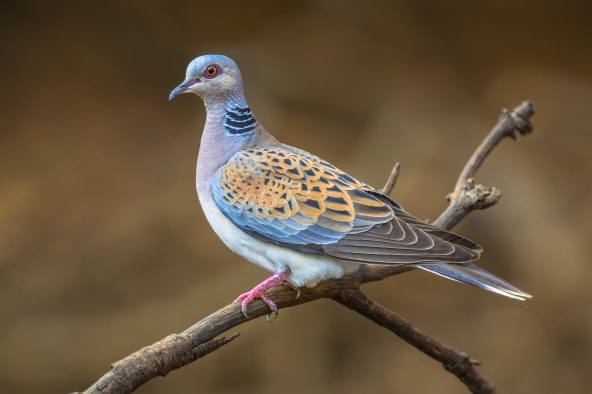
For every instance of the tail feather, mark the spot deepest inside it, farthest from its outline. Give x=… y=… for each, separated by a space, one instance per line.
x=473 y=275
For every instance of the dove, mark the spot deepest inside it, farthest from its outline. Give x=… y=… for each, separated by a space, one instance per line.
x=297 y=215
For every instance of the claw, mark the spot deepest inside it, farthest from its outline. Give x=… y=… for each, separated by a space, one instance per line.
x=279 y=278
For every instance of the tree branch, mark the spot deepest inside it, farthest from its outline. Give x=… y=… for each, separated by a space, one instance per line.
x=199 y=340
x=158 y=359
x=392 y=179
x=467 y=196
x=459 y=364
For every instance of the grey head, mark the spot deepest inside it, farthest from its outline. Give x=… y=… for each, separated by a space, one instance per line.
x=213 y=78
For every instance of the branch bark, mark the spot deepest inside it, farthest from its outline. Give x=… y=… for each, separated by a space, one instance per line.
x=467 y=196
x=178 y=350
x=457 y=363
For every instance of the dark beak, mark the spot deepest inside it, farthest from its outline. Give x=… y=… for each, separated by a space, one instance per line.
x=182 y=88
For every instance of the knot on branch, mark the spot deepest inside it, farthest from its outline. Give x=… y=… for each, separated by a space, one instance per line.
x=463 y=364
x=520 y=118
x=208 y=347
x=479 y=196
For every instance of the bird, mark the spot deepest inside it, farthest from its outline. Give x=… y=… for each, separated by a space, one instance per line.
x=295 y=214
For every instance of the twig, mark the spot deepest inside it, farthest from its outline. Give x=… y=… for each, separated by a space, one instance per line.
x=199 y=340
x=467 y=196
x=392 y=179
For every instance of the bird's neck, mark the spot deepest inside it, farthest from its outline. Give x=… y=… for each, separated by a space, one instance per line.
x=229 y=127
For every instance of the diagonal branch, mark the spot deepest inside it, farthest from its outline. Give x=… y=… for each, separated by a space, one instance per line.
x=178 y=350
x=467 y=196
x=392 y=179
x=158 y=359
x=459 y=364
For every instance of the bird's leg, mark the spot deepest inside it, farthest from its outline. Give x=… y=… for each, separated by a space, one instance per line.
x=279 y=278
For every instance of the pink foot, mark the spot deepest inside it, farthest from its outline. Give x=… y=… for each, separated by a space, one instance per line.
x=279 y=278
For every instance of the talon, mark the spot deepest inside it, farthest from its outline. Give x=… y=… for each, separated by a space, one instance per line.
x=279 y=278
x=271 y=319
x=292 y=286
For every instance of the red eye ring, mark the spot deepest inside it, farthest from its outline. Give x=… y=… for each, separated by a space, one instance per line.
x=211 y=71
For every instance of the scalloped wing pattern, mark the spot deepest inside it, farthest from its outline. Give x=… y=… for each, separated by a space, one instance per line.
x=288 y=197
x=293 y=199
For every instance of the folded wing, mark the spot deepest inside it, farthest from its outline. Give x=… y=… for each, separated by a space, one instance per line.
x=293 y=199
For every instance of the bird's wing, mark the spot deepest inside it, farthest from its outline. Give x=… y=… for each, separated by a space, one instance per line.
x=296 y=200
x=404 y=239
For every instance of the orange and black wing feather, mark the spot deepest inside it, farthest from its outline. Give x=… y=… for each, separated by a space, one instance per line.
x=288 y=197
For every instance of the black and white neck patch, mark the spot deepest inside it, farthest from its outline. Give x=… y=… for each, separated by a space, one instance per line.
x=239 y=120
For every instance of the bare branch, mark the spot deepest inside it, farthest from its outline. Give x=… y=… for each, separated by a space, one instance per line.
x=459 y=364
x=158 y=359
x=197 y=341
x=392 y=179
x=467 y=196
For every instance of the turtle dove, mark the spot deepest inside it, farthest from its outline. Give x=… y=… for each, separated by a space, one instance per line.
x=297 y=215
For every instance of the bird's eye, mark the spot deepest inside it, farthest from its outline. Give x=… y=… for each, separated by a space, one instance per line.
x=212 y=71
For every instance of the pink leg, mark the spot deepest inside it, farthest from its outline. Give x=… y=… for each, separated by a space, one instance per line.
x=279 y=278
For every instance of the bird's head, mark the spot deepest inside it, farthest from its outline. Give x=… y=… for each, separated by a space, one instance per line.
x=211 y=77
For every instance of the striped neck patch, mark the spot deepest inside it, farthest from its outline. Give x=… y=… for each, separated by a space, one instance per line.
x=239 y=119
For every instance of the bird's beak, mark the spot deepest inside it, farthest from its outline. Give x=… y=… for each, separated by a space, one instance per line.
x=183 y=88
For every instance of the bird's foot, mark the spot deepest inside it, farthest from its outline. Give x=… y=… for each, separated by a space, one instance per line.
x=279 y=278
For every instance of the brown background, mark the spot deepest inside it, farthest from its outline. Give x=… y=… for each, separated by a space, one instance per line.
x=104 y=249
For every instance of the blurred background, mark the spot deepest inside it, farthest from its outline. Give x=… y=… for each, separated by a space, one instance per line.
x=104 y=248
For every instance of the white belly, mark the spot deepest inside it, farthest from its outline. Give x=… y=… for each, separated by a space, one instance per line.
x=306 y=269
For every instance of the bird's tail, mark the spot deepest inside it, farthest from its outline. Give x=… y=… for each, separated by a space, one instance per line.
x=473 y=275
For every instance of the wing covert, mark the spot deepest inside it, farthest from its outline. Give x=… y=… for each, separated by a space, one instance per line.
x=291 y=198
x=294 y=199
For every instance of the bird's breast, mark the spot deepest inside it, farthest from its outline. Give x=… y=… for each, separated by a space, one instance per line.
x=306 y=269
